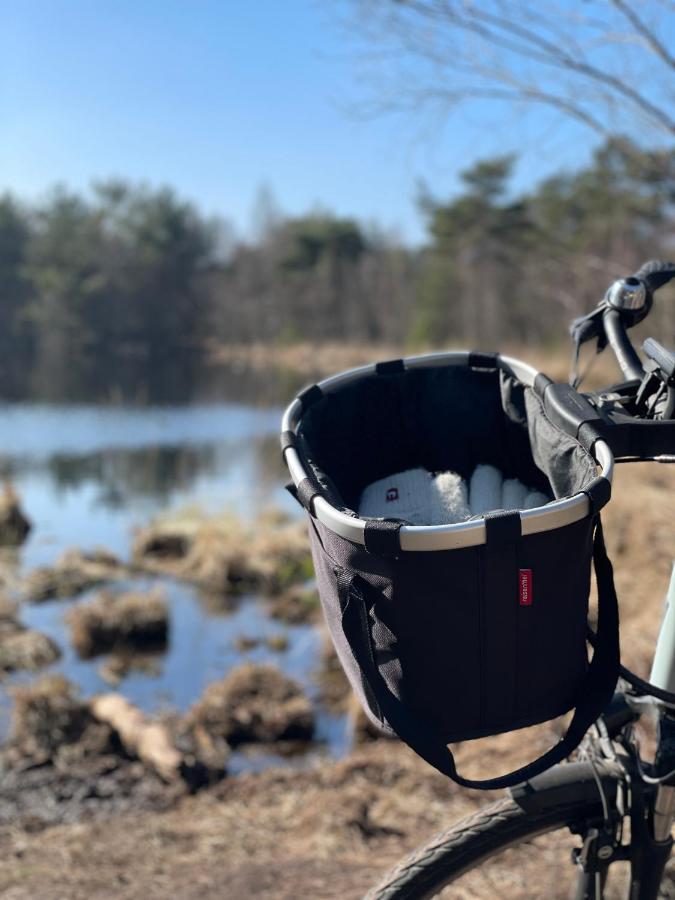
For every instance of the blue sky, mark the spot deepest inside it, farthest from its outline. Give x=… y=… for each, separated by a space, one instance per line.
x=218 y=98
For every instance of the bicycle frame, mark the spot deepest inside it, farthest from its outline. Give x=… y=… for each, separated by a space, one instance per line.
x=652 y=803
x=663 y=667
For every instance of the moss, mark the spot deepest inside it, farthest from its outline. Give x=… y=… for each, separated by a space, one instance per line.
x=224 y=556
x=295 y=606
x=277 y=642
x=293 y=571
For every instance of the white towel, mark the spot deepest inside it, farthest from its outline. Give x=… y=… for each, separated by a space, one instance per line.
x=422 y=499
x=418 y=497
x=485 y=490
x=404 y=495
x=513 y=494
x=535 y=498
x=450 y=499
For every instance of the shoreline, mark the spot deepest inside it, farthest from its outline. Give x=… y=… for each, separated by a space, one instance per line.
x=323 y=359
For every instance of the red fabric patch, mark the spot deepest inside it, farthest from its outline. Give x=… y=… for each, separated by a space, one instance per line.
x=525 y=582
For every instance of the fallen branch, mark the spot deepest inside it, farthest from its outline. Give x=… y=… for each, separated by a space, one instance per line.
x=149 y=741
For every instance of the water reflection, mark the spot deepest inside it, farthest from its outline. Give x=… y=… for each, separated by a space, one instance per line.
x=182 y=377
x=89 y=475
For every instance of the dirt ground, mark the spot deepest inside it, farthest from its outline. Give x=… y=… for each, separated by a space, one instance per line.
x=331 y=831
x=327 y=833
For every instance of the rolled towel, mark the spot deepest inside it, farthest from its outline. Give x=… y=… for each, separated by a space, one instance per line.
x=404 y=495
x=450 y=499
x=535 y=498
x=513 y=494
x=485 y=490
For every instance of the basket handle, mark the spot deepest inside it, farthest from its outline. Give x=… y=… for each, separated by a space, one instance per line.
x=596 y=692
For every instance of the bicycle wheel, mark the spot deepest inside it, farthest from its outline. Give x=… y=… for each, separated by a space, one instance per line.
x=456 y=855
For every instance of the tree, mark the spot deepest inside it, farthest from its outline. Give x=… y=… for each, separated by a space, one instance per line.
x=159 y=247
x=605 y=64
x=319 y=258
x=15 y=333
x=473 y=272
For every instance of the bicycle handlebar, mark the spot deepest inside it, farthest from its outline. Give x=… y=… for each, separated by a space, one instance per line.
x=636 y=418
x=621 y=345
x=655 y=273
x=627 y=302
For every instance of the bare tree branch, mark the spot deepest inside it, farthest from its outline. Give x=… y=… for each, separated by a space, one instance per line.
x=496 y=31
x=652 y=40
x=414 y=99
x=543 y=53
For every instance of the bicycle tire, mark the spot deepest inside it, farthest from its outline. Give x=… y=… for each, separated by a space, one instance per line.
x=473 y=840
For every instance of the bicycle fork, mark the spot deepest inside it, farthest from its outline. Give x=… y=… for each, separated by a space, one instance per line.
x=663 y=676
x=652 y=807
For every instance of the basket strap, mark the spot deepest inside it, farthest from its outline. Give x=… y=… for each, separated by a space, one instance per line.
x=381 y=536
x=640 y=685
x=595 y=693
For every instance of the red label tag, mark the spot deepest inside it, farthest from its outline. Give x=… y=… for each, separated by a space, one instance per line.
x=525 y=581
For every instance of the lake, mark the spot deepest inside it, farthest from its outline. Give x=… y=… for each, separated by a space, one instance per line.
x=88 y=475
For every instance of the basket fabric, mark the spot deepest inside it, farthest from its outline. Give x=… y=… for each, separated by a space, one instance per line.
x=443 y=646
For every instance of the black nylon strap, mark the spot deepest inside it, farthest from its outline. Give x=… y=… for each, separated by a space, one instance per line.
x=307 y=490
x=499 y=612
x=541 y=382
x=588 y=434
x=595 y=694
x=599 y=492
x=640 y=685
x=288 y=439
x=310 y=396
x=390 y=367
x=479 y=360
x=502 y=527
x=381 y=537
x=360 y=635
x=645 y=687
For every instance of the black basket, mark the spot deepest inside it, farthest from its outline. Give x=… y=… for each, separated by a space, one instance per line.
x=454 y=632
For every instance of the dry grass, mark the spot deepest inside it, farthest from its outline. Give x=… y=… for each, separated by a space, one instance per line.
x=74 y=573
x=14 y=524
x=119 y=621
x=47 y=714
x=254 y=703
x=22 y=648
x=303 y=358
x=224 y=556
x=27 y=650
x=314 y=360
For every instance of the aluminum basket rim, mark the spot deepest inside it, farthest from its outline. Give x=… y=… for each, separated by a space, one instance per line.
x=471 y=533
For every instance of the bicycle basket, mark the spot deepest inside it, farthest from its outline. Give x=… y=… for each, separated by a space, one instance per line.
x=453 y=632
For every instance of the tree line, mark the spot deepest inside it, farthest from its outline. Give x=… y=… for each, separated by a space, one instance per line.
x=126 y=273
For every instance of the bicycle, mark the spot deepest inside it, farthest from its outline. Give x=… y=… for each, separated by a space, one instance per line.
x=620 y=806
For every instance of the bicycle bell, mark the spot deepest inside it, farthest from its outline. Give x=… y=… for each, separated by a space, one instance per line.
x=630 y=297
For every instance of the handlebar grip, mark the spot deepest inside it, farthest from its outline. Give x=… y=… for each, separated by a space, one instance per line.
x=628 y=360
x=656 y=273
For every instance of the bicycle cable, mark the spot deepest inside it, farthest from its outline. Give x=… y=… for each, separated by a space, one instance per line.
x=651 y=779
x=585 y=755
